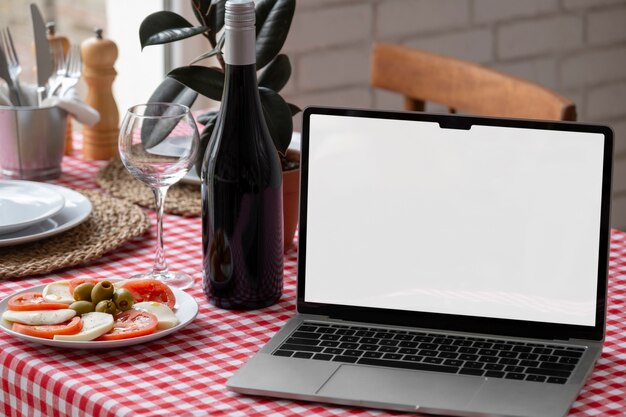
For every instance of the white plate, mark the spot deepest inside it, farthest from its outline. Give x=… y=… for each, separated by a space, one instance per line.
x=191 y=177
x=175 y=146
x=24 y=203
x=76 y=210
x=186 y=311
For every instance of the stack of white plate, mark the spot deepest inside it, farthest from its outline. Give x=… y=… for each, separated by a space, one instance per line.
x=34 y=210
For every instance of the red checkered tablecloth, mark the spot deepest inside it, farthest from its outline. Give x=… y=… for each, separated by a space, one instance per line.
x=185 y=374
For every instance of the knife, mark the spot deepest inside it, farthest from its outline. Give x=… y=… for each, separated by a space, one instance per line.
x=42 y=52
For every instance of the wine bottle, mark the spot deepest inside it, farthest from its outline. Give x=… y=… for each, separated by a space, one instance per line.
x=242 y=215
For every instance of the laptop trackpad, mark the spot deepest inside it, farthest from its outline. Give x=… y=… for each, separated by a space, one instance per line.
x=371 y=385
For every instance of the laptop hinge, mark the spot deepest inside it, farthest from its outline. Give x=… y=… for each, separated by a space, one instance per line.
x=572 y=340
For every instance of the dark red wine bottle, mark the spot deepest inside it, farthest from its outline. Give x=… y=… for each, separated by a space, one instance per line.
x=242 y=215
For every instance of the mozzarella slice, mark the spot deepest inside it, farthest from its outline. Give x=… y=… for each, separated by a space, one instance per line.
x=165 y=316
x=58 y=292
x=95 y=324
x=39 y=317
x=118 y=284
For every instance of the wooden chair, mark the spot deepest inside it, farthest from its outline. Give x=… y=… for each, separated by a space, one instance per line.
x=462 y=86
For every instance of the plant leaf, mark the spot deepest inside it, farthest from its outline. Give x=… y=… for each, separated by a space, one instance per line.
x=277 y=73
x=205 y=138
x=273 y=20
x=208 y=81
x=164 y=27
x=294 y=109
x=216 y=19
x=205 y=117
x=217 y=50
x=201 y=9
x=169 y=91
x=278 y=118
x=205 y=55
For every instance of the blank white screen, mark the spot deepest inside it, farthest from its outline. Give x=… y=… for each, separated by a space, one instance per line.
x=491 y=222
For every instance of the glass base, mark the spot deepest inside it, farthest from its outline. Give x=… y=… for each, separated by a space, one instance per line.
x=32 y=174
x=178 y=280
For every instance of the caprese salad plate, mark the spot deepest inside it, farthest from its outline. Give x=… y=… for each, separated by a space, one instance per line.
x=42 y=314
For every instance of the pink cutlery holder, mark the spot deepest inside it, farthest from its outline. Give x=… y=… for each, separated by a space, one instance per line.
x=31 y=142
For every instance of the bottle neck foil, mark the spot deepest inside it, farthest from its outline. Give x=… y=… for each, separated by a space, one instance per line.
x=239 y=22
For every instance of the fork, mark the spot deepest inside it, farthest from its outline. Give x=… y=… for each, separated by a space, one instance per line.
x=58 y=58
x=73 y=69
x=13 y=64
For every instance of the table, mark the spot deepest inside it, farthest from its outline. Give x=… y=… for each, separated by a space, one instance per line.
x=185 y=374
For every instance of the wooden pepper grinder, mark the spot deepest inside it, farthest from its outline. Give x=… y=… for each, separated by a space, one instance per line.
x=99 y=55
x=59 y=41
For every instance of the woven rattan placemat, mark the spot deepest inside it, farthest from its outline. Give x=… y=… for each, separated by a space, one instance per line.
x=111 y=223
x=181 y=199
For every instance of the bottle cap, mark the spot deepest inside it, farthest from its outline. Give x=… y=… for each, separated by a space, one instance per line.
x=239 y=14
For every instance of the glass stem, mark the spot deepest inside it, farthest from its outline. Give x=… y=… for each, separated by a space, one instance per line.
x=160 y=263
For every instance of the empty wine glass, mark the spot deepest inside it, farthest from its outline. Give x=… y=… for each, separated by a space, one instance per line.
x=158 y=144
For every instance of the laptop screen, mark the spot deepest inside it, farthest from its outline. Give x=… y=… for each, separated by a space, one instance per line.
x=486 y=221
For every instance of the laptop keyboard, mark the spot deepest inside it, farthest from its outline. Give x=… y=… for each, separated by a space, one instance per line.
x=432 y=352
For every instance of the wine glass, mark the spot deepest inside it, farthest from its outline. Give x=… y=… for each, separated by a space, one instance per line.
x=158 y=144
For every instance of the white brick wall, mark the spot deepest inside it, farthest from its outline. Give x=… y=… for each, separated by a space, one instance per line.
x=594 y=66
x=576 y=47
x=407 y=17
x=607 y=101
x=619 y=129
x=587 y=4
x=327 y=27
x=542 y=70
x=348 y=66
x=493 y=10
x=539 y=36
x=473 y=44
x=606 y=26
x=620 y=172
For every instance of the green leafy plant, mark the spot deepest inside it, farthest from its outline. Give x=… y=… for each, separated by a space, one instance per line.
x=183 y=84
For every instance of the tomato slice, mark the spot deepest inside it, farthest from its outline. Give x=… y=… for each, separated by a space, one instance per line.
x=77 y=281
x=131 y=323
x=150 y=290
x=48 y=331
x=29 y=301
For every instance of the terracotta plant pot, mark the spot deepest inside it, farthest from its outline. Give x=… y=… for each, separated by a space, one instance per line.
x=291 y=191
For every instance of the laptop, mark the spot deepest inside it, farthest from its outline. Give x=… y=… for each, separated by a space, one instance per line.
x=447 y=264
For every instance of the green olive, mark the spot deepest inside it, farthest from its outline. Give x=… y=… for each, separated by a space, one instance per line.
x=83 y=291
x=106 y=306
x=81 y=307
x=102 y=291
x=123 y=299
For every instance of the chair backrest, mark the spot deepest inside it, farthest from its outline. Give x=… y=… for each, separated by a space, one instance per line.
x=462 y=86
